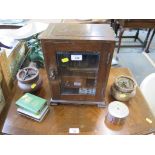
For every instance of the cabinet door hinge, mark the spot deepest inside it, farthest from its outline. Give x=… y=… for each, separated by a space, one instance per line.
x=108 y=58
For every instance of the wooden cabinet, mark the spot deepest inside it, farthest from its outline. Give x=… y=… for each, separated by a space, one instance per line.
x=78 y=59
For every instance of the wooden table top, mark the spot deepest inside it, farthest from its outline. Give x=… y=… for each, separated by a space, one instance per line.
x=89 y=119
x=137 y=23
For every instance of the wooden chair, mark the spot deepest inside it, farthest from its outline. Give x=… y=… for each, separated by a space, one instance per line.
x=131 y=24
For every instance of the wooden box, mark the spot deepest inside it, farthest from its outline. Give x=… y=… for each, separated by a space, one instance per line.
x=78 y=59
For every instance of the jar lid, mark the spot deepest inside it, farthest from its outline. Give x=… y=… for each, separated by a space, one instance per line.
x=118 y=109
x=125 y=84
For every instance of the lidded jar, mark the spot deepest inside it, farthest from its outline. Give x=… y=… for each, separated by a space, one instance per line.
x=29 y=79
x=123 y=88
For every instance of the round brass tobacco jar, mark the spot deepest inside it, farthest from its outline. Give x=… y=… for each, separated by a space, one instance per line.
x=123 y=88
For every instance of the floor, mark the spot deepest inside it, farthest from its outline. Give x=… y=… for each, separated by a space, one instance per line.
x=141 y=64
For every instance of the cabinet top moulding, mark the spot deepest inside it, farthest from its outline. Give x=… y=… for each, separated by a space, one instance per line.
x=72 y=31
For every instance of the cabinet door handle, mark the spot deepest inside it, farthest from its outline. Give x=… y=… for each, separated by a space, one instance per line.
x=52 y=74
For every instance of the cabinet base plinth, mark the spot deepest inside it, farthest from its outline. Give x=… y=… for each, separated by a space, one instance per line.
x=101 y=104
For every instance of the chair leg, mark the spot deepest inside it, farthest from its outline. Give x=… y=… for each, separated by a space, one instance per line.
x=120 y=38
x=147 y=36
x=136 y=36
x=112 y=23
x=116 y=28
x=149 y=43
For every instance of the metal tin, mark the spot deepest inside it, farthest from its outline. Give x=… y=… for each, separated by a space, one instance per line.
x=123 y=88
x=117 y=113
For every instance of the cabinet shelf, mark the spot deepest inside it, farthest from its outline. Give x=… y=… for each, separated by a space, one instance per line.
x=82 y=73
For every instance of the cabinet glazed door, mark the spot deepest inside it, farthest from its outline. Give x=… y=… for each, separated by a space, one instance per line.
x=77 y=70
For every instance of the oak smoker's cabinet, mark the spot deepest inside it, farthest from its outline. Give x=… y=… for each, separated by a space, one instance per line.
x=78 y=59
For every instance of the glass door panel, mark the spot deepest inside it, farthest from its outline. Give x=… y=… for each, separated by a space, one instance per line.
x=78 y=72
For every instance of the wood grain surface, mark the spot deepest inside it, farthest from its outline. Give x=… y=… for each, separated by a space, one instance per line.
x=88 y=118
